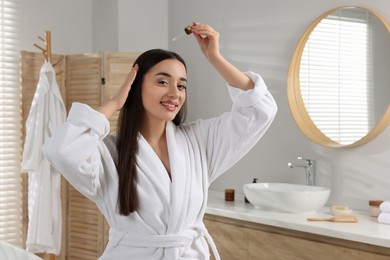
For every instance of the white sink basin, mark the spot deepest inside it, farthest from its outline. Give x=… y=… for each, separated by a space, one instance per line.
x=285 y=197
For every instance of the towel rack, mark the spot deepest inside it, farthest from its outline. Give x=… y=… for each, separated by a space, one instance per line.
x=47 y=41
x=47 y=50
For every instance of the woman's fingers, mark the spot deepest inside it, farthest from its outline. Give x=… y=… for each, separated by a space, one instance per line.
x=131 y=76
x=121 y=96
x=203 y=30
x=207 y=38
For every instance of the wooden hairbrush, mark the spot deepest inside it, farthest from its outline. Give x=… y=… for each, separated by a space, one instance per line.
x=346 y=218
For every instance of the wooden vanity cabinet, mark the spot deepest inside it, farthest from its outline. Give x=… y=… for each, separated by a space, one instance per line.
x=241 y=240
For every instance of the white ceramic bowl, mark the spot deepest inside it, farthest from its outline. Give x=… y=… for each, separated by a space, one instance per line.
x=285 y=197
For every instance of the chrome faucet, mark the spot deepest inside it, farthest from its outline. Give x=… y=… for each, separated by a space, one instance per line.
x=310 y=169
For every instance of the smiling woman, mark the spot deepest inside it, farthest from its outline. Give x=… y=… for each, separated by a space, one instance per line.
x=337 y=86
x=150 y=180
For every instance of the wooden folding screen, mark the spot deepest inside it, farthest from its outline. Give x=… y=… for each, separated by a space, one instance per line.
x=85 y=231
x=90 y=79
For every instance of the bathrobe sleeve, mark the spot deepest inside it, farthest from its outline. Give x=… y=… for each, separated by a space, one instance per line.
x=77 y=150
x=229 y=137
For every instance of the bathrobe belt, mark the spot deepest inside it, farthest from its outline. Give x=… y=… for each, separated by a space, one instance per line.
x=170 y=241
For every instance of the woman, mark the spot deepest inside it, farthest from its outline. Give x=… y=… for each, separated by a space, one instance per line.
x=151 y=180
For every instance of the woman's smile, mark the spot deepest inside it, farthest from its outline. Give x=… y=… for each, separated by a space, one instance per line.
x=169 y=105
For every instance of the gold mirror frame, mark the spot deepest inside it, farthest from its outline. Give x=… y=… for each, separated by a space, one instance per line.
x=297 y=106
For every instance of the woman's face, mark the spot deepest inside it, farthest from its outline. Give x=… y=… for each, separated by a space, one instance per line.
x=164 y=90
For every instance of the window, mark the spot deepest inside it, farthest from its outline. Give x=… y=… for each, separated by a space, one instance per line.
x=10 y=123
x=335 y=81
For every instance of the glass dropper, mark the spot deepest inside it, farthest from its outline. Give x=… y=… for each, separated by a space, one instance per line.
x=187 y=31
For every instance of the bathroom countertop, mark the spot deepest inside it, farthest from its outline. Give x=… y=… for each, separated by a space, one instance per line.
x=367 y=230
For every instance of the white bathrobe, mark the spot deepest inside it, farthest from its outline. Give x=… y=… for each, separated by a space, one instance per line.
x=47 y=112
x=169 y=222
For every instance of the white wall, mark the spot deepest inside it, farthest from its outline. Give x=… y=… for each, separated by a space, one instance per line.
x=255 y=35
x=105 y=25
x=261 y=36
x=70 y=23
x=143 y=25
x=96 y=25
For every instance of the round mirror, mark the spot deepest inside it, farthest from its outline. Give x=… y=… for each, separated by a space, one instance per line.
x=338 y=83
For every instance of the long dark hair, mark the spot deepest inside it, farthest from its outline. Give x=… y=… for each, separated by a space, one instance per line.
x=129 y=123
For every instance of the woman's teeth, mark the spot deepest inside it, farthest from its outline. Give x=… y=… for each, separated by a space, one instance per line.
x=168 y=104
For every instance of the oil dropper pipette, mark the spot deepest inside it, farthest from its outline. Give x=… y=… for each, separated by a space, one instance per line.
x=187 y=31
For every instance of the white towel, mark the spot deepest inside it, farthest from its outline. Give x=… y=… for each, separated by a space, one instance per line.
x=11 y=252
x=384 y=218
x=47 y=112
x=385 y=206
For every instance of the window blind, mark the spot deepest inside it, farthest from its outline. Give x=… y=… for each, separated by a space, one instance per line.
x=10 y=123
x=335 y=81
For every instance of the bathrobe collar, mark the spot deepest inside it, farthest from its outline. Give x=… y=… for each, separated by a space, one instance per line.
x=177 y=185
x=179 y=191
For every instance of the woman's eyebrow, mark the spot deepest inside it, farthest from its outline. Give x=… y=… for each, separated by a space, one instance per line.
x=168 y=75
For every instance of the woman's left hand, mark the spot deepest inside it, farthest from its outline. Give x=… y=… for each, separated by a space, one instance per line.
x=208 y=39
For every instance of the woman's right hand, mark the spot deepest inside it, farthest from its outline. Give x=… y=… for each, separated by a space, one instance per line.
x=120 y=97
x=118 y=100
x=208 y=39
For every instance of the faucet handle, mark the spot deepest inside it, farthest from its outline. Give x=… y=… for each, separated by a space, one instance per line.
x=309 y=162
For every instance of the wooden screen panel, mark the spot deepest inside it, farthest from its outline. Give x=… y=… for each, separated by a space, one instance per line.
x=86 y=228
x=116 y=67
x=85 y=222
x=30 y=66
x=83 y=79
